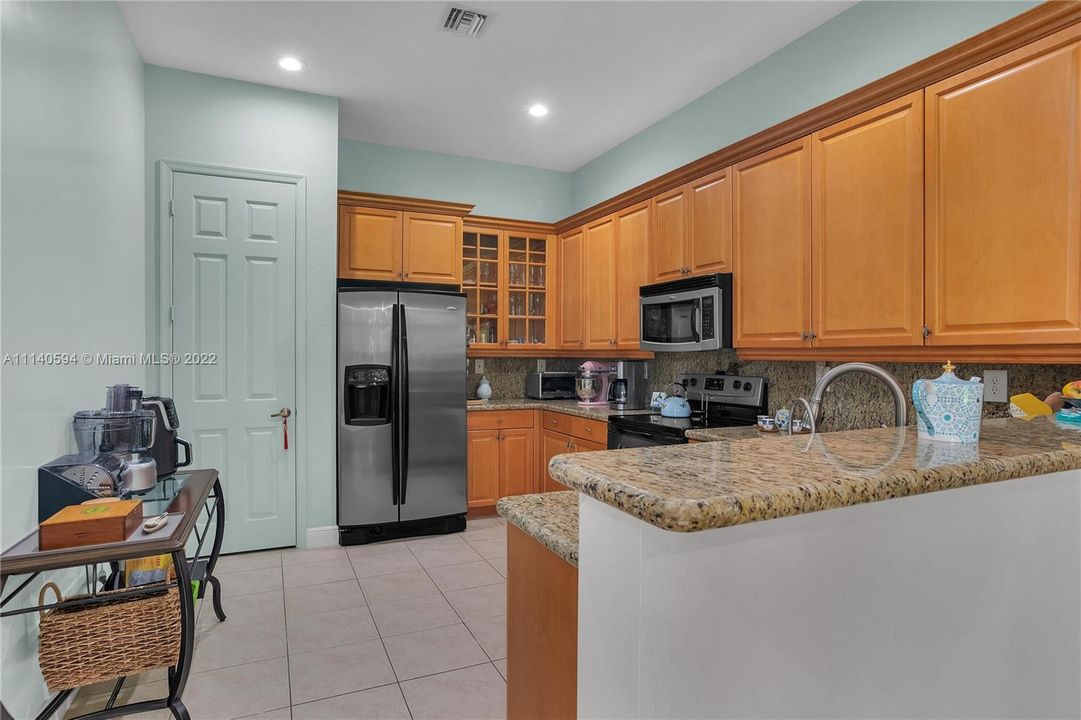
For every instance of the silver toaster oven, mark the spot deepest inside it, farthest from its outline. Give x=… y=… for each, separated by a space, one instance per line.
x=550 y=385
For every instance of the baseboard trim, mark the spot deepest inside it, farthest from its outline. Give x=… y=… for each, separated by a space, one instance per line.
x=326 y=536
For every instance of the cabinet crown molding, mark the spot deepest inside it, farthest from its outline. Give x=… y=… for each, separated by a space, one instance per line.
x=489 y=222
x=405 y=204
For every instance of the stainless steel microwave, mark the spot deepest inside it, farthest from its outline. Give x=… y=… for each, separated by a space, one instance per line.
x=687 y=315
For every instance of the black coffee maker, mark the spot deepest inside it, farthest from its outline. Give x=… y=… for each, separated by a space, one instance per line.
x=165 y=449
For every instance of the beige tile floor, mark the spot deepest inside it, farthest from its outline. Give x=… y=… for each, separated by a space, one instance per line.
x=405 y=629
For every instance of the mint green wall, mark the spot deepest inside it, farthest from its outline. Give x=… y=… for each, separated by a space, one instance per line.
x=862 y=44
x=71 y=261
x=496 y=188
x=204 y=119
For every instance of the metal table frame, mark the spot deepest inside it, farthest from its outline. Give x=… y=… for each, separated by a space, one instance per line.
x=194 y=505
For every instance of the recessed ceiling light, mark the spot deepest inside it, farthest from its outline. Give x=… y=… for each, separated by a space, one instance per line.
x=538 y=110
x=291 y=64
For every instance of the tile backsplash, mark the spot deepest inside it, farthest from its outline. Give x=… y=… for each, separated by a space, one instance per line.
x=854 y=401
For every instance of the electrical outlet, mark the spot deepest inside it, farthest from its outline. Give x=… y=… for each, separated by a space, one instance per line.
x=478 y=366
x=542 y=364
x=994 y=386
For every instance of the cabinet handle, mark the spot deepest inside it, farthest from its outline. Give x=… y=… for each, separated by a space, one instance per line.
x=811 y=335
x=803 y=335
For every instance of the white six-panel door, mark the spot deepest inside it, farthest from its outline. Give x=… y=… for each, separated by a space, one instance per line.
x=234 y=299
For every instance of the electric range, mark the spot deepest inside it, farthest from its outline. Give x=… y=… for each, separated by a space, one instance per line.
x=716 y=401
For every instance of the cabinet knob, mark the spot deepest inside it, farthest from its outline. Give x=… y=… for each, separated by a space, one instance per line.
x=802 y=334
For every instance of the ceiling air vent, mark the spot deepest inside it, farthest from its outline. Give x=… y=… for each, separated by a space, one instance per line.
x=466 y=22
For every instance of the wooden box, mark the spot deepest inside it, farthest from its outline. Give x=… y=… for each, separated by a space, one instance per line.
x=93 y=524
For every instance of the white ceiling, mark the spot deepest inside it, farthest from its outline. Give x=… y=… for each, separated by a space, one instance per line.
x=607 y=70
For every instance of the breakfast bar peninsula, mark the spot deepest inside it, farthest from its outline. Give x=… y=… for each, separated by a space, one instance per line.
x=866 y=573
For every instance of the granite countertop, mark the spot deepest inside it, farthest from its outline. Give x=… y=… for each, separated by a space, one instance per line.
x=686 y=488
x=567 y=407
x=743 y=432
x=550 y=518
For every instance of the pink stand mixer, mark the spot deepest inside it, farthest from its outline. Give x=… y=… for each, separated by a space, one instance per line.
x=592 y=383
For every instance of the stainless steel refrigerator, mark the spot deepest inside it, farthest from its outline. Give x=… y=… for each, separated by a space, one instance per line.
x=401 y=413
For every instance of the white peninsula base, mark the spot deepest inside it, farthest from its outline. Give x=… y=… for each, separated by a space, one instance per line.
x=958 y=603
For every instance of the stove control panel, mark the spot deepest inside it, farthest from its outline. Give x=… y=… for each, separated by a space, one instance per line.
x=727 y=389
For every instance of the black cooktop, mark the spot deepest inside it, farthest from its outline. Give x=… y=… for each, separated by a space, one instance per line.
x=656 y=424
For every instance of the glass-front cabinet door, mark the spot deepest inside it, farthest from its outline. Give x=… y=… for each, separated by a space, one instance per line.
x=506 y=276
x=527 y=290
x=481 y=284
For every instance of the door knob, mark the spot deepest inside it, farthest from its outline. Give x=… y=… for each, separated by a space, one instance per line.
x=284 y=414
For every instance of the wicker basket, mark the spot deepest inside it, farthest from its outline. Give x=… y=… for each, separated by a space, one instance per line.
x=114 y=638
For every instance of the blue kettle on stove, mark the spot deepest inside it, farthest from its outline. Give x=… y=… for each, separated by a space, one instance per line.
x=676 y=406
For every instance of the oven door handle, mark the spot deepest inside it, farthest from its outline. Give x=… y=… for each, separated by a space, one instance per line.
x=643 y=435
x=696 y=325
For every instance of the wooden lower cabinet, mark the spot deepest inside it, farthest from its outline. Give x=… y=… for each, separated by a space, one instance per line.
x=508 y=451
x=501 y=451
x=482 y=468
x=542 y=631
x=552 y=443
x=562 y=434
x=517 y=461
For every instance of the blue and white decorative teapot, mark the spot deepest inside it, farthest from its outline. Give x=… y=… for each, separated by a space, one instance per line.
x=947 y=408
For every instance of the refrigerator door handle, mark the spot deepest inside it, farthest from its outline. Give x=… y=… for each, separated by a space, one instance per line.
x=395 y=369
x=404 y=454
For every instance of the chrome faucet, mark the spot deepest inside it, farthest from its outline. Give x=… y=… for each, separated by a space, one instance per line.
x=813 y=406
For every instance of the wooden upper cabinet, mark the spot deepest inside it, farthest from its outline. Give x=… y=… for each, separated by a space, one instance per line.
x=632 y=271
x=710 y=213
x=431 y=248
x=599 y=274
x=772 y=244
x=369 y=243
x=571 y=300
x=1004 y=198
x=670 y=229
x=692 y=228
x=867 y=238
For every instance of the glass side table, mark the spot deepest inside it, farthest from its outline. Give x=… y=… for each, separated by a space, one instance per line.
x=195 y=504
